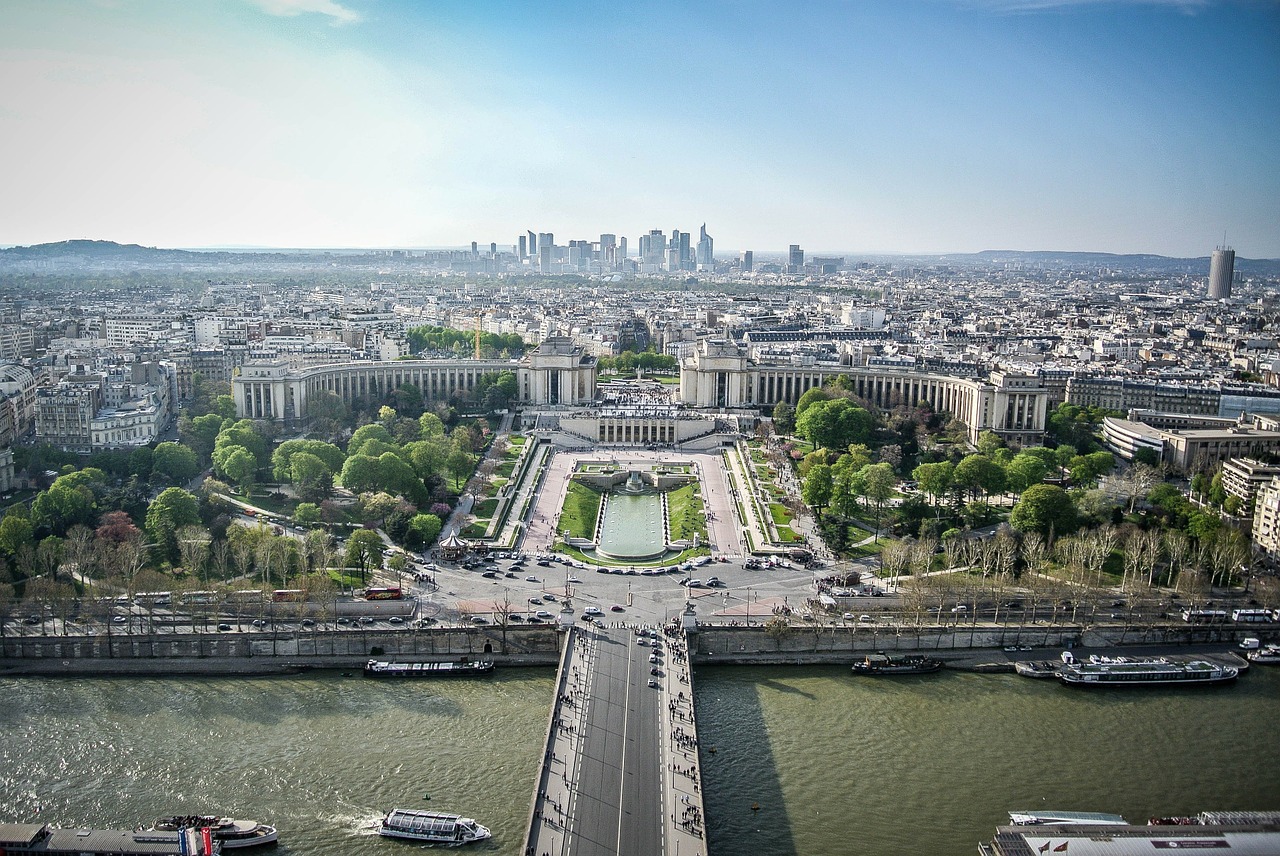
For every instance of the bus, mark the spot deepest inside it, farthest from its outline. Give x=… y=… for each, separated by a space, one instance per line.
x=288 y=596
x=153 y=598
x=1204 y=616
x=1251 y=616
x=245 y=596
x=199 y=597
x=379 y=593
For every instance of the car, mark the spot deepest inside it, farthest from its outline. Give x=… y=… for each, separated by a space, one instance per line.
x=574 y=580
x=258 y=622
x=865 y=619
x=616 y=608
x=493 y=568
x=653 y=682
x=388 y=552
x=543 y=614
x=115 y=619
x=395 y=619
x=344 y=620
x=366 y=619
x=1025 y=648
x=643 y=640
x=490 y=575
x=848 y=616
x=960 y=608
x=655 y=671
x=509 y=575
x=536 y=600
x=1011 y=648
x=515 y=616
x=307 y=622
x=224 y=627
x=533 y=619
x=531 y=579
x=543 y=563
x=593 y=610
x=713 y=581
x=653 y=658
x=35 y=619
x=479 y=619
x=589 y=619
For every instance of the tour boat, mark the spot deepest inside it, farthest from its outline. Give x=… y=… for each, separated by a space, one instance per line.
x=231 y=832
x=461 y=668
x=1145 y=673
x=911 y=664
x=432 y=827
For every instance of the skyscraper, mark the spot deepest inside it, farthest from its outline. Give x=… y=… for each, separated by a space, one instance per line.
x=748 y=259
x=533 y=244
x=706 y=251
x=1222 y=265
x=795 y=258
x=608 y=250
x=522 y=249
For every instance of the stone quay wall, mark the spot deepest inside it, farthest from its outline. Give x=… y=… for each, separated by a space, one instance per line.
x=840 y=644
x=267 y=653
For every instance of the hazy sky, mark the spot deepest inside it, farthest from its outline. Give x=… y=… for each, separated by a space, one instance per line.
x=853 y=125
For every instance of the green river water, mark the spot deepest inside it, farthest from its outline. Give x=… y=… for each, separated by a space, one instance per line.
x=836 y=764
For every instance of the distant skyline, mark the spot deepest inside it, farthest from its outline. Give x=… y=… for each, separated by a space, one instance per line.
x=885 y=126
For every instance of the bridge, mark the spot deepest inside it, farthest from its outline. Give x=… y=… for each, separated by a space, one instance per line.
x=619 y=772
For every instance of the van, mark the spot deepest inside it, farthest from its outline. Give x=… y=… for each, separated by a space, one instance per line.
x=1251 y=644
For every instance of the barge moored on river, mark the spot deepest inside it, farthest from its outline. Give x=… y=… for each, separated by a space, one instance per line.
x=454 y=669
x=883 y=664
x=41 y=838
x=232 y=833
x=1147 y=672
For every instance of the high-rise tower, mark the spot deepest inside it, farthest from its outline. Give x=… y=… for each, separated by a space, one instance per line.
x=706 y=249
x=1222 y=266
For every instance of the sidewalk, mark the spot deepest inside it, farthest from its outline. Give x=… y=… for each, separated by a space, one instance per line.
x=685 y=821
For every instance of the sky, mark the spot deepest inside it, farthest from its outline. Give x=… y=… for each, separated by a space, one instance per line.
x=857 y=126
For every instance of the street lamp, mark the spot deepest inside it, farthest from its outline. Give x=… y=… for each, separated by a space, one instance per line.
x=748 y=606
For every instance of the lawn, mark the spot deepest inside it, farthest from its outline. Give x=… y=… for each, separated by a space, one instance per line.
x=684 y=513
x=580 y=510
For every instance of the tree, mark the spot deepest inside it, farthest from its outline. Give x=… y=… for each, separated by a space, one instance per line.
x=979 y=473
x=784 y=418
x=239 y=465
x=989 y=442
x=459 y=465
x=365 y=433
x=1086 y=469
x=1025 y=470
x=430 y=426
x=174 y=463
x=818 y=486
x=171 y=510
x=1044 y=509
x=116 y=527
x=360 y=473
x=810 y=398
x=311 y=476
x=935 y=479
x=63 y=505
x=835 y=423
x=364 y=550
x=15 y=532
x=424 y=528
x=879 y=487
x=307 y=513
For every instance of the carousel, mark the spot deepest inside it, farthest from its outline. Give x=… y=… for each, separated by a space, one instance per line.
x=452 y=547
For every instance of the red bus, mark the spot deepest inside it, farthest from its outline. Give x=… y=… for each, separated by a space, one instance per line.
x=288 y=595
x=383 y=594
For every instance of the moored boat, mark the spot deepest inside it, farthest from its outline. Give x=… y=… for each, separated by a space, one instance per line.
x=1121 y=672
x=883 y=664
x=1036 y=668
x=1072 y=818
x=231 y=832
x=432 y=827
x=1268 y=656
x=454 y=669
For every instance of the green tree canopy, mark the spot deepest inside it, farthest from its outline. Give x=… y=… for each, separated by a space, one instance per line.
x=818 y=485
x=175 y=463
x=1044 y=508
x=835 y=423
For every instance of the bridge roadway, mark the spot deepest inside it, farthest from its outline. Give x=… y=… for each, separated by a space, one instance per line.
x=619 y=772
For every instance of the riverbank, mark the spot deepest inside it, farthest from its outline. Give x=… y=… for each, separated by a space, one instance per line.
x=972 y=648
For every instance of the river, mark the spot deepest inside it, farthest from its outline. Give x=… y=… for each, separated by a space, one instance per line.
x=836 y=764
